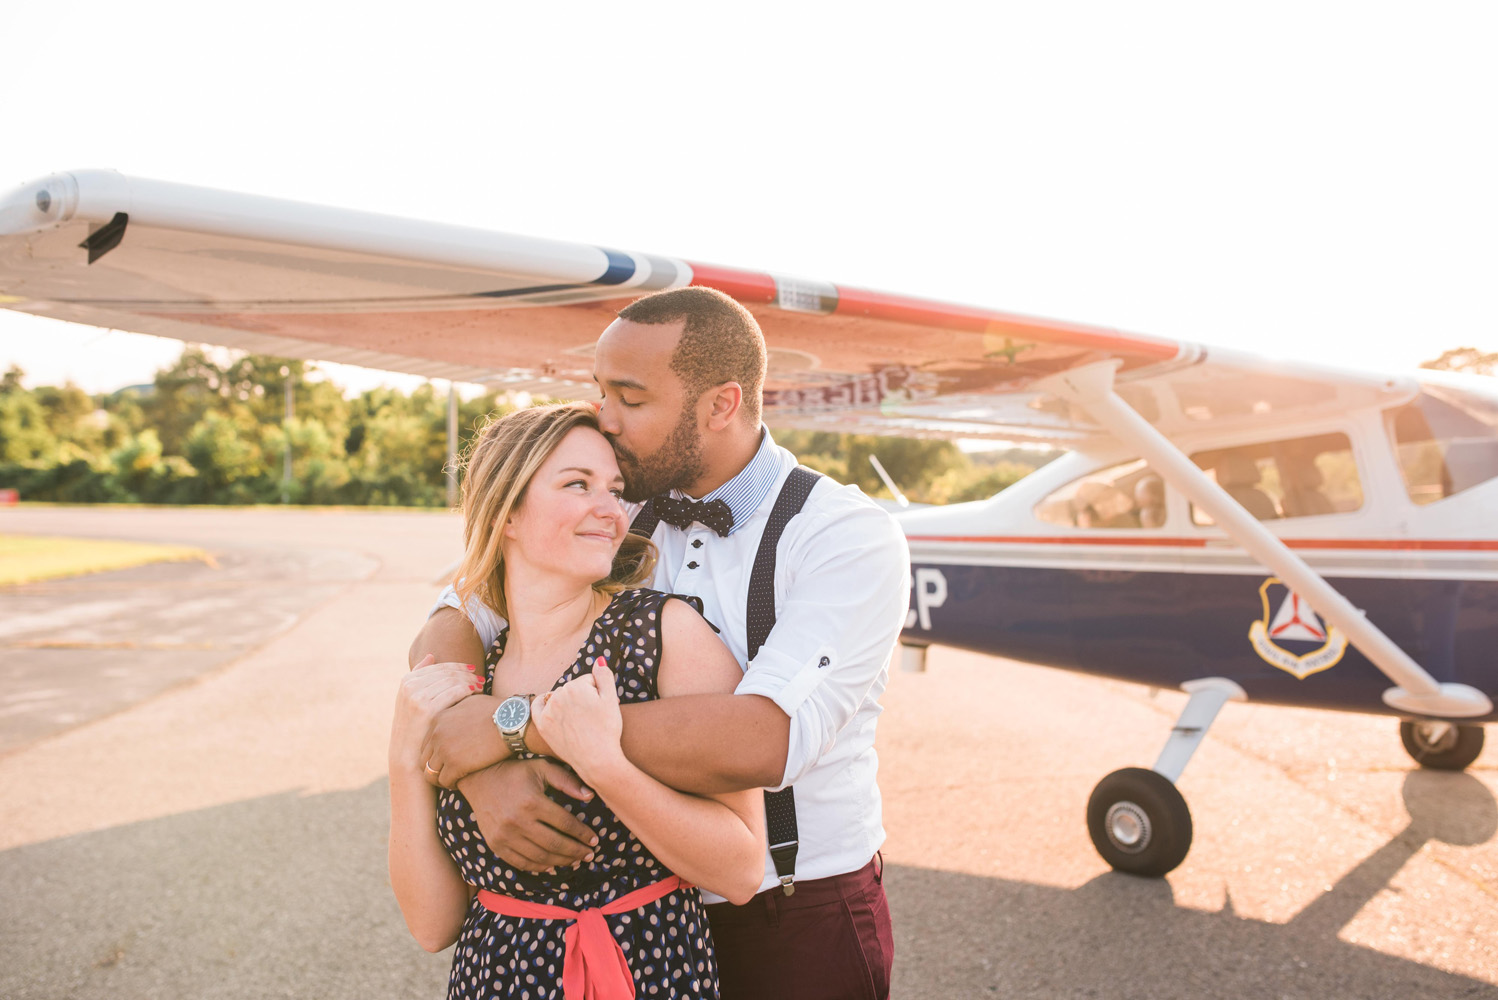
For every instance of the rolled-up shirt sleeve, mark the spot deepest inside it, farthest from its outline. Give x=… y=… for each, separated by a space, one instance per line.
x=846 y=578
x=486 y=621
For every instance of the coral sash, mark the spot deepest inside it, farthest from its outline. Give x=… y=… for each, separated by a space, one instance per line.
x=593 y=966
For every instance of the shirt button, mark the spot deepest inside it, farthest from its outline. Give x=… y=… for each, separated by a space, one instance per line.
x=696 y=543
x=691 y=565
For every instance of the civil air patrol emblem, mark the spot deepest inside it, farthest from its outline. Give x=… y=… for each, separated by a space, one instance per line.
x=1291 y=635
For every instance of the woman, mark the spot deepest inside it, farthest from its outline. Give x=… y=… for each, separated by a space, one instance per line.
x=547 y=547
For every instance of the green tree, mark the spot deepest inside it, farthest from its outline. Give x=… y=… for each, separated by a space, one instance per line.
x=1465 y=359
x=319 y=468
x=912 y=464
x=253 y=386
x=25 y=437
x=394 y=460
x=141 y=472
x=230 y=465
x=973 y=482
x=925 y=471
x=72 y=416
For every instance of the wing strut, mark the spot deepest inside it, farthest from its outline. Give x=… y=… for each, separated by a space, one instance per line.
x=1417 y=692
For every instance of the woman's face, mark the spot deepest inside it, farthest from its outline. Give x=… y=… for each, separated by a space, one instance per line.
x=571 y=520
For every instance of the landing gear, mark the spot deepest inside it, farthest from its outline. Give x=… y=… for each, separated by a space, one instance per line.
x=1443 y=745
x=1138 y=820
x=913 y=657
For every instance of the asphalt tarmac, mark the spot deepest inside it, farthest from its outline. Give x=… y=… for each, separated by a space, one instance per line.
x=193 y=802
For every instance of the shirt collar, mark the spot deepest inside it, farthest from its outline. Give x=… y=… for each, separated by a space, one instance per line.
x=747 y=490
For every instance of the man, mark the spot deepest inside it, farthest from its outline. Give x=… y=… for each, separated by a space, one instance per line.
x=681 y=373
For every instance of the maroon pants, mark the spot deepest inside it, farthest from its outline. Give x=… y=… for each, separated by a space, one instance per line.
x=830 y=940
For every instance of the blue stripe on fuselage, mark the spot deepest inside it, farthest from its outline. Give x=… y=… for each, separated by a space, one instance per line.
x=1163 y=628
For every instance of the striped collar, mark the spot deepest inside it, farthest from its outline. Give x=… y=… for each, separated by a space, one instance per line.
x=747 y=490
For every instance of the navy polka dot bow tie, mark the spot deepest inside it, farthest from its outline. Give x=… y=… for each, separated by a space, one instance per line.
x=681 y=513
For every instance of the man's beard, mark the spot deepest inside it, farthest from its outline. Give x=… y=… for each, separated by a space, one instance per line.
x=676 y=464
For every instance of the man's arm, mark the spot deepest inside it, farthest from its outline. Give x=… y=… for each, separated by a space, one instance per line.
x=450 y=637
x=742 y=740
x=708 y=743
x=847 y=590
x=463 y=740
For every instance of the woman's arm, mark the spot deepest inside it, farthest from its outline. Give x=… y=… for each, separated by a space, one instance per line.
x=432 y=895
x=718 y=841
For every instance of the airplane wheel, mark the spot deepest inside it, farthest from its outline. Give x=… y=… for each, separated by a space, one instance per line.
x=1139 y=822
x=1443 y=745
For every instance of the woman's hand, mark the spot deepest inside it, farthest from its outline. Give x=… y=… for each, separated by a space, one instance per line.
x=424 y=692
x=581 y=723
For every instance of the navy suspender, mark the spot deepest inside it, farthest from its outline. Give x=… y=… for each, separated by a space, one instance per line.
x=780 y=807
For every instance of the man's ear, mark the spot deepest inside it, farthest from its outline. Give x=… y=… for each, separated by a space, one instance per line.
x=725 y=403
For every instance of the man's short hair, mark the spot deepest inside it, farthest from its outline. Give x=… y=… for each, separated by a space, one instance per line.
x=720 y=341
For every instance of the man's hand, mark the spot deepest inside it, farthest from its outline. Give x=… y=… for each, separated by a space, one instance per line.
x=426 y=692
x=462 y=740
x=461 y=743
x=520 y=824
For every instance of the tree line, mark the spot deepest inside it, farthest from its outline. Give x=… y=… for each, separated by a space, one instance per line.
x=211 y=433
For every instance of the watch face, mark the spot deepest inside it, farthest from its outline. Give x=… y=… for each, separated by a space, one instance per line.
x=512 y=713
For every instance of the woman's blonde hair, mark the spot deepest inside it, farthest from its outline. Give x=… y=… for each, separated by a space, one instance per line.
x=496 y=473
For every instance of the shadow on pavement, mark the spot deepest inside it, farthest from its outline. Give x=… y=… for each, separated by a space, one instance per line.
x=278 y=896
x=287 y=896
x=1119 y=936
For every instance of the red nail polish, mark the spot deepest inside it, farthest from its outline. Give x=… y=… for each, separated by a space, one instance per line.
x=470 y=666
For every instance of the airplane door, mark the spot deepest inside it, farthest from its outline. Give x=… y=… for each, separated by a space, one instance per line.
x=1120 y=571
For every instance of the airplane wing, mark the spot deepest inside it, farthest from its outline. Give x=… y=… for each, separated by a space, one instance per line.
x=516 y=312
x=278 y=277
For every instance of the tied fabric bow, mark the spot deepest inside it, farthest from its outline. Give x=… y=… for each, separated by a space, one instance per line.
x=593 y=965
x=681 y=513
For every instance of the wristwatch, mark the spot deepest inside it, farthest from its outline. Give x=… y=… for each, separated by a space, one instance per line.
x=512 y=718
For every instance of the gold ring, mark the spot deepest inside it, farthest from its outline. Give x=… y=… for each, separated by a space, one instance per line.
x=430 y=769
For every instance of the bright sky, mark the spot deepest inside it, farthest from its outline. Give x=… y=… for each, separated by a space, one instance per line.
x=1305 y=179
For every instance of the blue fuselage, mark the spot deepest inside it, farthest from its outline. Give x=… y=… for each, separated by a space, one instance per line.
x=1165 y=628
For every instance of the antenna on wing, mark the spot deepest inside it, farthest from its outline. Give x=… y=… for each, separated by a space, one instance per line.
x=888 y=482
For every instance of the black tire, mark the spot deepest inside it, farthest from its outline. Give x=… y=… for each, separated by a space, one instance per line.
x=1446 y=746
x=1139 y=822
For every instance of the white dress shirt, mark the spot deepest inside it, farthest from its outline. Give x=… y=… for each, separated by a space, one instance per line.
x=842 y=583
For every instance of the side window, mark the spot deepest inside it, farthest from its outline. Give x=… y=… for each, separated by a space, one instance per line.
x=1297 y=477
x=1446 y=441
x=1127 y=495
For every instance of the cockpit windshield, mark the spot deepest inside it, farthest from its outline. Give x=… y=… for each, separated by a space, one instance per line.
x=1446 y=440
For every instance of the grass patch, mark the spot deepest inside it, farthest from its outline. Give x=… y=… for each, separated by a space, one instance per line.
x=28 y=558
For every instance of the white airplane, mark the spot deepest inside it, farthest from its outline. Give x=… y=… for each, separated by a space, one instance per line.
x=1237 y=528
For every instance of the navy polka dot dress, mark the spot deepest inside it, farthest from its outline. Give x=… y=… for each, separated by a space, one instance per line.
x=665 y=942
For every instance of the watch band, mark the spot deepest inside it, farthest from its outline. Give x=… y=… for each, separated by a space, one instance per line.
x=515 y=738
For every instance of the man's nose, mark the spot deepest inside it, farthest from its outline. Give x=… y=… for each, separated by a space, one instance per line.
x=608 y=420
